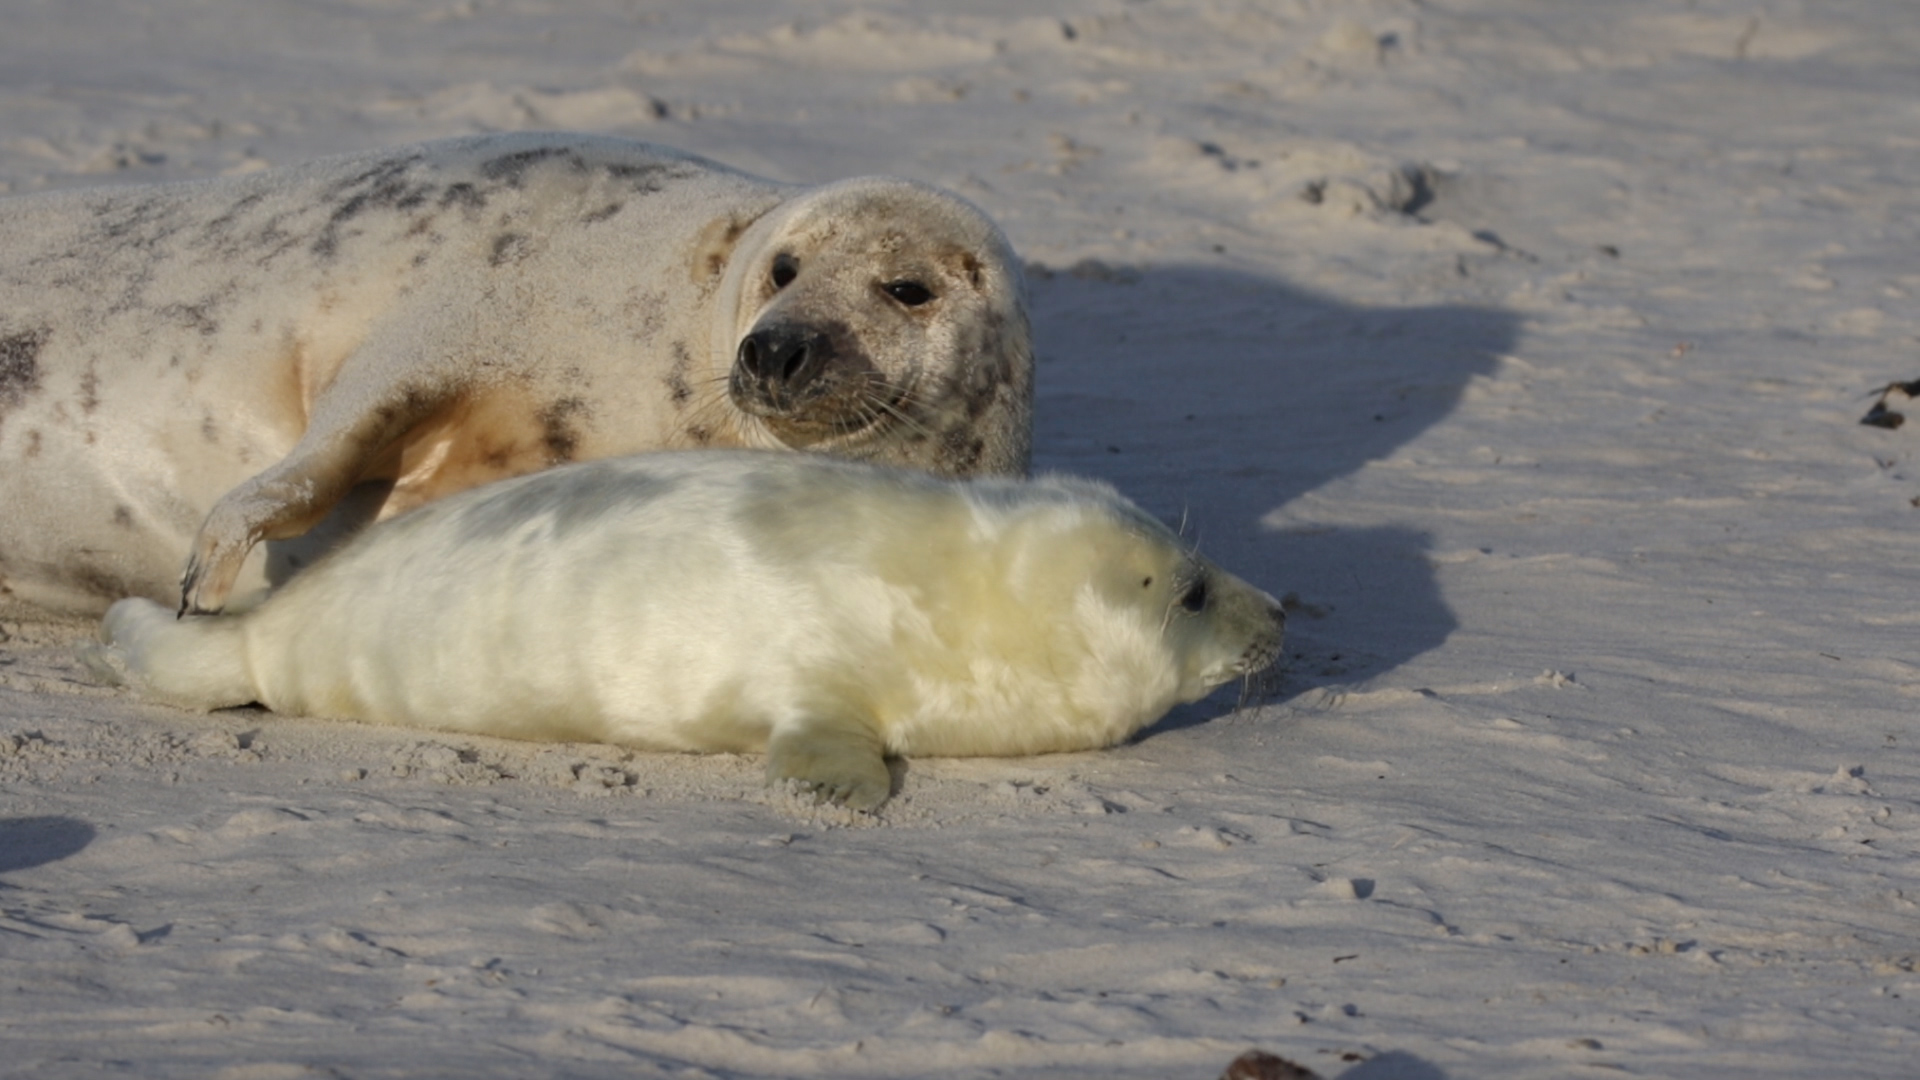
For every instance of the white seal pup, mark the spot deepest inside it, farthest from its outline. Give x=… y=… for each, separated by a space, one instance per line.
x=188 y=369
x=828 y=612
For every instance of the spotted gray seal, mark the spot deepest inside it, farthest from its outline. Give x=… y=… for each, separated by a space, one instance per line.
x=191 y=368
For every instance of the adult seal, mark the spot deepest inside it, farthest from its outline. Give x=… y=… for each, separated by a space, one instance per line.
x=830 y=613
x=189 y=369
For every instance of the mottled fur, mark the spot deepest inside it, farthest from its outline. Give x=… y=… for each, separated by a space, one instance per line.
x=189 y=369
x=828 y=612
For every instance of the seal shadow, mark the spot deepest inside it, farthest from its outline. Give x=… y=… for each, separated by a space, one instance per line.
x=1215 y=397
x=35 y=841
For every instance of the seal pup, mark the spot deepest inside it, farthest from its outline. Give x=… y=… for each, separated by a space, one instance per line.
x=828 y=612
x=188 y=369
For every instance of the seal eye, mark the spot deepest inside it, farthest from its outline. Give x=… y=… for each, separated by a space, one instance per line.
x=785 y=269
x=1195 y=598
x=908 y=293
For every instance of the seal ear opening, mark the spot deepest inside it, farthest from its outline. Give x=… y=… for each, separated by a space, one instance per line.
x=713 y=248
x=965 y=264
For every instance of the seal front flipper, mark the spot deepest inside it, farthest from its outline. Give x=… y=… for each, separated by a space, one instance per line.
x=839 y=761
x=376 y=399
x=286 y=500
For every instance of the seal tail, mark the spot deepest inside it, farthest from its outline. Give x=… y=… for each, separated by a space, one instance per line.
x=199 y=662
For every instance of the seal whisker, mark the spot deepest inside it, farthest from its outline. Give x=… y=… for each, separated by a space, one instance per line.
x=895 y=406
x=881 y=409
x=867 y=415
x=1258 y=687
x=710 y=414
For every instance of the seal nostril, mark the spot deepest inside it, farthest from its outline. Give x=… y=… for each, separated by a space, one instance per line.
x=793 y=363
x=749 y=358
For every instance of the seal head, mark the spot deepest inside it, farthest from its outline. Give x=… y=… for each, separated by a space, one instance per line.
x=883 y=319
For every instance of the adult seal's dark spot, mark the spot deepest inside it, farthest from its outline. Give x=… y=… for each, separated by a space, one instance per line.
x=559 y=430
x=20 y=364
x=508 y=248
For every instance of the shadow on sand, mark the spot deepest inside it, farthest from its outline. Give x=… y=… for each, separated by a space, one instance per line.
x=35 y=841
x=1217 y=397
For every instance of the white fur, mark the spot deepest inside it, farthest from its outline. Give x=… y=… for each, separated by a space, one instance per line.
x=729 y=601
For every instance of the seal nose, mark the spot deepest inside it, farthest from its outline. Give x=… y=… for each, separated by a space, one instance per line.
x=783 y=359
